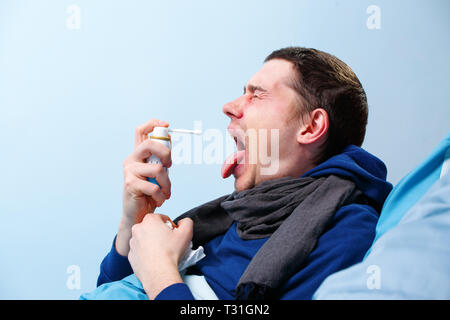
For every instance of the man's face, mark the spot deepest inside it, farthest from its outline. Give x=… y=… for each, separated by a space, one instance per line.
x=267 y=107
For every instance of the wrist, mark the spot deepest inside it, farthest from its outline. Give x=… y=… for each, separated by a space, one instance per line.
x=126 y=222
x=166 y=277
x=122 y=244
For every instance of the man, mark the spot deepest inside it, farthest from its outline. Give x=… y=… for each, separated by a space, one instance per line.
x=278 y=235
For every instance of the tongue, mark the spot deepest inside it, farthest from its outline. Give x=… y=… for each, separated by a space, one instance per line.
x=231 y=162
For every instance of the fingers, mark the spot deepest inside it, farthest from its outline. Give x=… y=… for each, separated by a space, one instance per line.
x=158 y=216
x=184 y=229
x=139 y=187
x=135 y=175
x=186 y=226
x=143 y=130
x=150 y=147
x=136 y=169
x=150 y=170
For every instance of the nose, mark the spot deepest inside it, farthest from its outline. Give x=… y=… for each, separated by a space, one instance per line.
x=233 y=109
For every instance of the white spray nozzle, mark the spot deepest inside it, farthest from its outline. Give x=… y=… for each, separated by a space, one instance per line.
x=186 y=131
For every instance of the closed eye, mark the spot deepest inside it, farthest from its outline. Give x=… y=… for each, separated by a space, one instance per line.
x=254 y=89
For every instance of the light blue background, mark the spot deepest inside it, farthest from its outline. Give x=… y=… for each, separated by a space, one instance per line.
x=70 y=100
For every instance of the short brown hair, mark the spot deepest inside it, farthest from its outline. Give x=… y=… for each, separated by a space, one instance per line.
x=324 y=81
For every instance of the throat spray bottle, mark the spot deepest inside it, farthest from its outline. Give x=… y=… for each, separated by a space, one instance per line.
x=161 y=135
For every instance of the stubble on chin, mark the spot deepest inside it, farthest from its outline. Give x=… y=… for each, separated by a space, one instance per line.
x=245 y=181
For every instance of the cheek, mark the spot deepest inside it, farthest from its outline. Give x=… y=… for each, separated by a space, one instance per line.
x=264 y=118
x=274 y=114
x=281 y=139
x=280 y=116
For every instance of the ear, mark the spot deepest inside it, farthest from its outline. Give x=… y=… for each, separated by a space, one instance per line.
x=315 y=127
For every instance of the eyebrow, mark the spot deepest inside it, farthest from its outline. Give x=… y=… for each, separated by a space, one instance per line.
x=253 y=88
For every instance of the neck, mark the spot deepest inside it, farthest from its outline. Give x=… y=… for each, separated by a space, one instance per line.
x=292 y=167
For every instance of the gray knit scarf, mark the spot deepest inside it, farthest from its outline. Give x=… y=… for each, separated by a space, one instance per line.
x=292 y=212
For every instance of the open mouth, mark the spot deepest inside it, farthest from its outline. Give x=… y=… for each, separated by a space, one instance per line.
x=239 y=144
x=236 y=159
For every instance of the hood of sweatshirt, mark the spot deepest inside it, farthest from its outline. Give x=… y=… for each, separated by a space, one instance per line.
x=364 y=169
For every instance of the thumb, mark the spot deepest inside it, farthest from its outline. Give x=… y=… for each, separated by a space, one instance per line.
x=186 y=226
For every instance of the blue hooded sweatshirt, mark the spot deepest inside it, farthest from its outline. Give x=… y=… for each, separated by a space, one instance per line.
x=343 y=244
